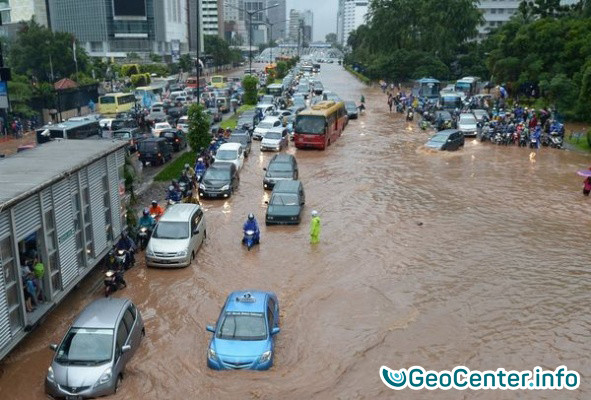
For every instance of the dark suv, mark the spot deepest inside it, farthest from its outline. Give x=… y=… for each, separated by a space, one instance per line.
x=176 y=138
x=286 y=203
x=219 y=180
x=281 y=167
x=156 y=151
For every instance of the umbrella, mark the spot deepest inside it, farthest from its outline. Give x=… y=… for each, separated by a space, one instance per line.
x=584 y=172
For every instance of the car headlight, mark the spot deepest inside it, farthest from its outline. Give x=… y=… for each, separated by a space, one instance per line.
x=294 y=218
x=50 y=375
x=270 y=218
x=105 y=377
x=211 y=354
x=225 y=187
x=266 y=356
x=181 y=253
x=201 y=186
x=149 y=252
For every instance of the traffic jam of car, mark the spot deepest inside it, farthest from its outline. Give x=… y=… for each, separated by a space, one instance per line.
x=90 y=360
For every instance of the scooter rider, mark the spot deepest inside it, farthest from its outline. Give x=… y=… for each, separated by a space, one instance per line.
x=200 y=167
x=156 y=210
x=125 y=243
x=189 y=172
x=146 y=220
x=252 y=225
x=174 y=194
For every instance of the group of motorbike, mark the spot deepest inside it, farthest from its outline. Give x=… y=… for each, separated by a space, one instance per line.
x=120 y=259
x=520 y=135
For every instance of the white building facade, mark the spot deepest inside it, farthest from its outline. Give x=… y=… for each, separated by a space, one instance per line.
x=350 y=14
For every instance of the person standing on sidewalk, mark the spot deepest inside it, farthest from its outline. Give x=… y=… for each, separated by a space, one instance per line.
x=315 y=228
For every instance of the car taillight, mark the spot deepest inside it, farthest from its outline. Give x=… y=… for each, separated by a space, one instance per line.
x=176 y=140
x=159 y=155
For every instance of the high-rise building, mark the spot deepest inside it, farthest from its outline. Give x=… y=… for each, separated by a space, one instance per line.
x=307 y=18
x=117 y=27
x=496 y=12
x=294 y=25
x=350 y=14
x=277 y=16
x=14 y=12
x=212 y=10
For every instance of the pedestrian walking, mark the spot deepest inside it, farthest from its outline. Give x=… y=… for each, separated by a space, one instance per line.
x=315 y=228
x=390 y=102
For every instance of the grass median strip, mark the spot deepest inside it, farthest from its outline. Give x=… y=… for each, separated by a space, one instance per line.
x=173 y=169
x=231 y=122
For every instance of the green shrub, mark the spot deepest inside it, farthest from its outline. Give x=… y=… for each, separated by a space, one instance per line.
x=130 y=69
x=249 y=83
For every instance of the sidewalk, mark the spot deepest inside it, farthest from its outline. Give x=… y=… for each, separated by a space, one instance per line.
x=9 y=145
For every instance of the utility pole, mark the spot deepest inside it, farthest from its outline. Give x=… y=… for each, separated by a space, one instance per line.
x=198 y=45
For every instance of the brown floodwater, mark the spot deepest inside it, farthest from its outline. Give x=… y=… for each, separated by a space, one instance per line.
x=476 y=258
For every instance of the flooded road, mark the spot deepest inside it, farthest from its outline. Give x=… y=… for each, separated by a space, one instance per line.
x=474 y=258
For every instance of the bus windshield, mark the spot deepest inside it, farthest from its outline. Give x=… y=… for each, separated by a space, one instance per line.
x=310 y=125
x=107 y=100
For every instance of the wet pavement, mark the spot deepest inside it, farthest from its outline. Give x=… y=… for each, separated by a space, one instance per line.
x=474 y=258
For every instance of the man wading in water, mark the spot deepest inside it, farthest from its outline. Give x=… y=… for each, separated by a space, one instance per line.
x=315 y=228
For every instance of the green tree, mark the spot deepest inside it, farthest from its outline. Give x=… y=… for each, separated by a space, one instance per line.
x=218 y=49
x=249 y=83
x=186 y=62
x=140 y=80
x=155 y=57
x=281 y=69
x=21 y=93
x=35 y=45
x=130 y=69
x=331 y=38
x=199 y=123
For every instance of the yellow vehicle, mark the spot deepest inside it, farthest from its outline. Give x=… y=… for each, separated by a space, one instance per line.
x=114 y=103
x=219 y=81
x=270 y=68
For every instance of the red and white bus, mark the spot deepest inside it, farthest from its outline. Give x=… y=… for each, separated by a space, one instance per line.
x=191 y=82
x=320 y=125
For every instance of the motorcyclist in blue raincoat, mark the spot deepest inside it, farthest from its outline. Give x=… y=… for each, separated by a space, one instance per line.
x=146 y=220
x=252 y=225
x=200 y=167
x=173 y=193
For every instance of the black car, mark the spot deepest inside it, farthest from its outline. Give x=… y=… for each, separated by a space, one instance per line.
x=286 y=203
x=281 y=167
x=248 y=120
x=175 y=137
x=132 y=135
x=449 y=139
x=156 y=151
x=352 y=110
x=219 y=180
x=176 y=112
x=243 y=137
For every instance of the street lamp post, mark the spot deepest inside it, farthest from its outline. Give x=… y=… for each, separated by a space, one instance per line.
x=250 y=15
x=271 y=25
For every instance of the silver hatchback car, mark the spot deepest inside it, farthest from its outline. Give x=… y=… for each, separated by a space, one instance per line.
x=90 y=360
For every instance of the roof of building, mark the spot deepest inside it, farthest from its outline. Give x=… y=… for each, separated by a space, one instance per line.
x=65 y=84
x=30 y=171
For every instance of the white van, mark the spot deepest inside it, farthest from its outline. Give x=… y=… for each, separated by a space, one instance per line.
x=231 y=153
x=183 y=124
x=177 y=237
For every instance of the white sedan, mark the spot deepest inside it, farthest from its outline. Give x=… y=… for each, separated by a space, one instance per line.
x=159 y=127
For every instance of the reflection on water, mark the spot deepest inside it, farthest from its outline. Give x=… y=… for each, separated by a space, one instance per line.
x=475 y=257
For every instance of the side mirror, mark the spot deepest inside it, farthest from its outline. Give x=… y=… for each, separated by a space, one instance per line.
x=125 y=349
x=53 y=346
x=266 y=202
x=210 y=328
x=264 y=169
x=275 y=331
x=195 y=231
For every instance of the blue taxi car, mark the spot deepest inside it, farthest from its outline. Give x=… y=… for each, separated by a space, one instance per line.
x=244 y=335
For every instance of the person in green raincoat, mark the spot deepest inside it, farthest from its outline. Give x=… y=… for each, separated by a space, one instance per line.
x=315 y=228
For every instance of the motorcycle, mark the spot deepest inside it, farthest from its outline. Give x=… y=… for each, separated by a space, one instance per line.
x=199 y=172
x=186 y=189
x=173 y=196
x=113 y=281
x=555 y=140
x=143 y=237
x=399 y=108
x=523 y=139
x=123 y=260
x=249 y=239
x=410 y=115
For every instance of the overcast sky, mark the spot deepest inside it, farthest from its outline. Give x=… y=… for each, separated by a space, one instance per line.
x=325 y=15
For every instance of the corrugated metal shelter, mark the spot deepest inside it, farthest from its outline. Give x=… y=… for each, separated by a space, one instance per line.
x=60 y=204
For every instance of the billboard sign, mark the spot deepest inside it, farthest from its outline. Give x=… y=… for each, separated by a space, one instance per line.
x=3 y=95
x=129 y=8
